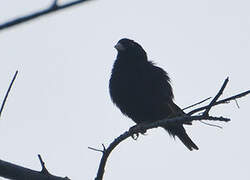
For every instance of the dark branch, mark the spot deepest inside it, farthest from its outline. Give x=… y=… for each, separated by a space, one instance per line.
x=216 y=97
x=54 y=4
x=12 y=171
x=223 y=101
x=53 y=8
x=213 y=125
x=196 y=103
x=44 y=169
x=94 y=149
x=166 y=122
x=236 y=102
x=7 y=93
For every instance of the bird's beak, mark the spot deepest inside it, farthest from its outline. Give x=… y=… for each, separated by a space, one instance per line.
x=119 y=47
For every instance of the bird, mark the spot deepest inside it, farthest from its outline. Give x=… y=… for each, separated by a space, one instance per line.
x=142 y=91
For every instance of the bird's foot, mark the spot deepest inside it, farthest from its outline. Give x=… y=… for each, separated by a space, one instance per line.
x=139 y=128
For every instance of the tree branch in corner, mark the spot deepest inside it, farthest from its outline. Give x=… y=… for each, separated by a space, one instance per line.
x=189 y=117
x=52 y=8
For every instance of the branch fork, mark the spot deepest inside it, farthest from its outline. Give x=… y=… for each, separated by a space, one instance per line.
x=189 y=117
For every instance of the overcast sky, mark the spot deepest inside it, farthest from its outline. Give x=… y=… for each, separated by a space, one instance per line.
x=60 y=104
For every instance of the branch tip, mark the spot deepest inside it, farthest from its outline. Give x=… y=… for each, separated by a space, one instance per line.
x=7 y=93
x=212 y=103
x=54 y=4
x=94 y=149
x=236 y=102
x=104 y=148
x=196 y=103
x=44 y=169
x=213 y=125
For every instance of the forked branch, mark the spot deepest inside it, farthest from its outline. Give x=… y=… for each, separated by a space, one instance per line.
x=13 y=171
x=189 y=117
x=223 y=101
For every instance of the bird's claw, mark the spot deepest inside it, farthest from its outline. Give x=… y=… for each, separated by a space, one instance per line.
x=136 y=130
x=135 y=136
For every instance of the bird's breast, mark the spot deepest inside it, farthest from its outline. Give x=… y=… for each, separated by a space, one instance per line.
x=130 y=91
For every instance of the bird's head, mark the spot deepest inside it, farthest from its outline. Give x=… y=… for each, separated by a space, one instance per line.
x=130 y=48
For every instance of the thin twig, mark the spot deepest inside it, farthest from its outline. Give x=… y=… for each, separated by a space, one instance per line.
x=7 y=93
x=213 y=125
x=236 y=102
x=212 y=118
x=53 y=8
x=223 y=101
x=94 y=149
x=197 y=103
x=44 y=169
x=104 y=148
x=54 y=4
x=216 y=97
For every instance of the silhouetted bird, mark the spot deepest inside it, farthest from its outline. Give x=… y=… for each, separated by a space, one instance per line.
x=142 y=90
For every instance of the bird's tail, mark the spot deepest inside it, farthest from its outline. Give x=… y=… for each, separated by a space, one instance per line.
x=187 y=141
x=180 y=132
x=178 y=129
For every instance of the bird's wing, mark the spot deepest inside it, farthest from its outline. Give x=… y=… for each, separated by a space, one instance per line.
x=161 y=84
x=163 y=93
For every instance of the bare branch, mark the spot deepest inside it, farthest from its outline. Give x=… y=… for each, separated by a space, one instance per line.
x=7 y=93
x=236 y=102
x=104 y=148
x=216 y=97
x=12 y=171
x=53 y=8
x=223 y=101
x=197 y=103
x=44 y=169
x=213 y=125
x=143 y=128
x=107 y=153
x=94 y=149
x=54 y=4
x=166 y=122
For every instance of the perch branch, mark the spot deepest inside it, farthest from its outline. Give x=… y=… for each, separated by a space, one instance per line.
x=53 y=8
x=7 y=93
x=166 y=122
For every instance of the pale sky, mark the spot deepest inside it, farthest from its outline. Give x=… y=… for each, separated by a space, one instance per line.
x=60 y=104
